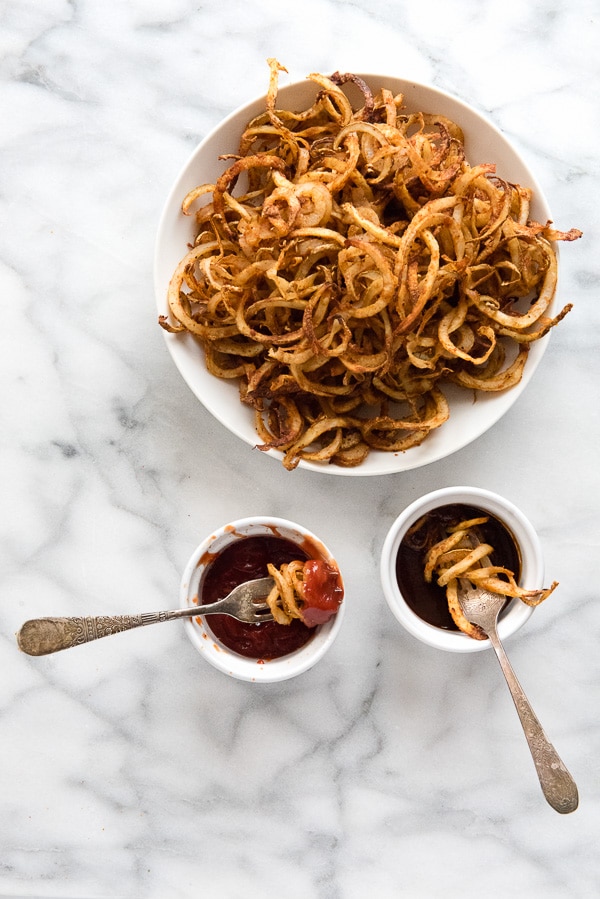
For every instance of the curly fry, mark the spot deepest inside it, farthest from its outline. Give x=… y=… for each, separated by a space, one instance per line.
x=289 y=597
x=462 y=554
x=362 y=265
x=472 y=630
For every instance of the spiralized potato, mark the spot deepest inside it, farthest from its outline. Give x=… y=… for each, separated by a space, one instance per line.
x=462 y=554
x=362 y=264
x=311 y=591
x=286 y=597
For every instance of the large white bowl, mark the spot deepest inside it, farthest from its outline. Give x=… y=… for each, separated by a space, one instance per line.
x=199 y=631
x=468 y=420
x=532 y=565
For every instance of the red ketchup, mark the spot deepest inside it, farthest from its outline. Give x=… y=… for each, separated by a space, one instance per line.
x=323 y=592
x=246 y=559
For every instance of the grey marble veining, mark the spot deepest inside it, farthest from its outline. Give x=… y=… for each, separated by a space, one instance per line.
x=130 y=768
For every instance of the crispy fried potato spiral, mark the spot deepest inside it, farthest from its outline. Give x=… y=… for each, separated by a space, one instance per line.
x=462 y=554
x=361 y=264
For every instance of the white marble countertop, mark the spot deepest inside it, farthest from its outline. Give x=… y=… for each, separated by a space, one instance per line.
x=130 y=768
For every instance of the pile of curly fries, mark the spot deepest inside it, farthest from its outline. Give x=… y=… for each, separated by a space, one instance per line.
x=364 y=264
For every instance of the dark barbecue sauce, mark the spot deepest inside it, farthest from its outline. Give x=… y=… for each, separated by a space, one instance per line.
x=244 y=560
x=428 y=600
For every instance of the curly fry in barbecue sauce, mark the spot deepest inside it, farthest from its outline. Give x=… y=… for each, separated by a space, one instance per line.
x=455 y=542
x=362 y=264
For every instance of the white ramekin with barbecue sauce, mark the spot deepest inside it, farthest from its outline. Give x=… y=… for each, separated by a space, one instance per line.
x=420 y=605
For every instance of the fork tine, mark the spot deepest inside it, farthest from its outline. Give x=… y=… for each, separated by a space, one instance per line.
x=265 y=615
x=258 y=611
x=246 y=602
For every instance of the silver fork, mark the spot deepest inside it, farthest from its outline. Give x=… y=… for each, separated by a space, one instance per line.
x=42 y=636
x=482 y=608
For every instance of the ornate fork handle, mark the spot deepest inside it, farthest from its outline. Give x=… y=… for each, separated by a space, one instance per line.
x=558 y=786
x=42 y=636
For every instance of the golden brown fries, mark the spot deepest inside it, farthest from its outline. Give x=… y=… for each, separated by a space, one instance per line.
x=285 y=598
x=462 y=554
x=361 y=264
x=291 y=595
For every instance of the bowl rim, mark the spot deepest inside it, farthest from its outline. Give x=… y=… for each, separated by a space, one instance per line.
x=517 y=614
x=209 y=646
x=453 y=435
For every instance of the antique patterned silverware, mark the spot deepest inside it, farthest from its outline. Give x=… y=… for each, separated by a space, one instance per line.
x=42 y=636
x=482 y=608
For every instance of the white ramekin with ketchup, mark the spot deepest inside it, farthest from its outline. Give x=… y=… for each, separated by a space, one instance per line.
x=268 y=652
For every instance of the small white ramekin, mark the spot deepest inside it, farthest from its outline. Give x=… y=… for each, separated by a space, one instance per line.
x=532 y=566
x=198 y=629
